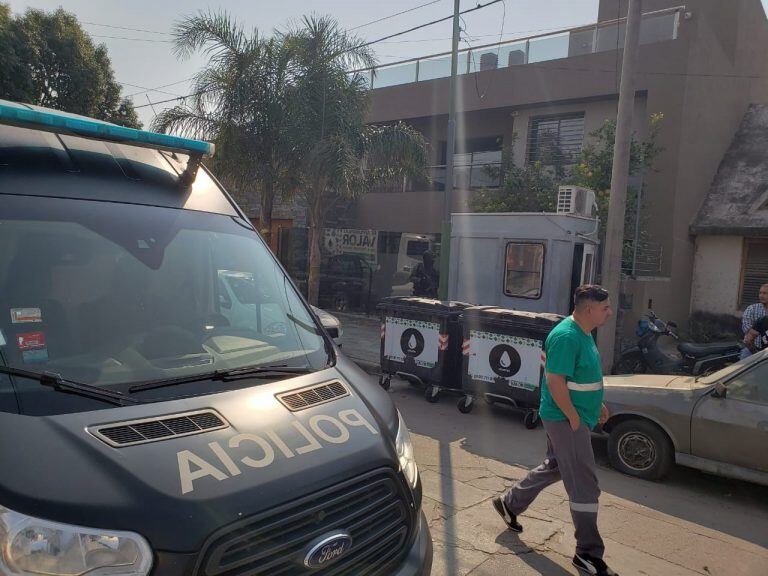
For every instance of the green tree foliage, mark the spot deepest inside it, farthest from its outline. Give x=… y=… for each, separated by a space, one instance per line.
x=46 y=58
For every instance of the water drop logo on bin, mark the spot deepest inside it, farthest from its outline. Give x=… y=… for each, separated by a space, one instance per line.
x=505 y=361
x=412 y=342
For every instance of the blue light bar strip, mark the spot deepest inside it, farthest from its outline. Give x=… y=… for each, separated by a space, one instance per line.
x=62 y=123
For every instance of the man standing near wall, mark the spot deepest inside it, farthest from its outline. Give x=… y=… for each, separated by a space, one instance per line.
x=751 y=315
x=571 y=405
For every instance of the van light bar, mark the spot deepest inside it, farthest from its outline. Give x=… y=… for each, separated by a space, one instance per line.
x=13 y=114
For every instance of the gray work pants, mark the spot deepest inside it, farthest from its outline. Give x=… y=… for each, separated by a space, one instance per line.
x=570 y=459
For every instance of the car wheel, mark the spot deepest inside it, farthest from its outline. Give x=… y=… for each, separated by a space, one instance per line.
x=340 y=302
x=631 y=363
x=640 y=448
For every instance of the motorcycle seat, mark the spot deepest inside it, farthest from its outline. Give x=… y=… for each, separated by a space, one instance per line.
x=701 y=350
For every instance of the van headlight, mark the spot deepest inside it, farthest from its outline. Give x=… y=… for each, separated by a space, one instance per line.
x=405 y=452
x=33 y=546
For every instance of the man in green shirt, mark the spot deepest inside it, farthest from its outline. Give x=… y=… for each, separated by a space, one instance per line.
x=571 y=405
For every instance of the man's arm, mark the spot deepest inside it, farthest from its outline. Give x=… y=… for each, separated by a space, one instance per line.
x=746 y=321
x=558 y=389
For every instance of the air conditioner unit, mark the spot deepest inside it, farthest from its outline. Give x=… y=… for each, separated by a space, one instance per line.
x=576 y=200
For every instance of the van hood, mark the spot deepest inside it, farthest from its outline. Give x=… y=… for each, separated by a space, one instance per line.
x=175 y=492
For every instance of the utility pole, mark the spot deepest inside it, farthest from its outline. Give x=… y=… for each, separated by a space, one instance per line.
x=445 y=237
x=614 y=237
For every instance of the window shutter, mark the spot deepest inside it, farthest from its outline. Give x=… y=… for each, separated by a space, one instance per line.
x=755 y=272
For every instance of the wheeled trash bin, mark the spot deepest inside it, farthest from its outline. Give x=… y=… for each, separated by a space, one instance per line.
x=503 y=357
x=421 y=342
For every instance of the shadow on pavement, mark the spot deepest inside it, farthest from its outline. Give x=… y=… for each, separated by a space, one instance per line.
x=536 y=561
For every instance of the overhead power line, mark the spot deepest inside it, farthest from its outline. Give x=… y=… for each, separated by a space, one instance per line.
x=478 y=7
x=409 y=30
x=127 y=28
x=134 y=39
x=394 y=15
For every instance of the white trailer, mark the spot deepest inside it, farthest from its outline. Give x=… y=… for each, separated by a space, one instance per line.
x=521 y=261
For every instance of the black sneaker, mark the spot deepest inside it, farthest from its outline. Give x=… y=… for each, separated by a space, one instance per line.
x=509 y=519
x=592 y=565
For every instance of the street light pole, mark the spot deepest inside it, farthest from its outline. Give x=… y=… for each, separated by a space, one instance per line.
x=617 y=203
x=445 y=237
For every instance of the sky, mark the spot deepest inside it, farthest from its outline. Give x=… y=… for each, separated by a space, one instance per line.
x=144 y=59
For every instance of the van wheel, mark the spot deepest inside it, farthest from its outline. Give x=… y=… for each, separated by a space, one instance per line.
x=640 y=448
x=466 y=404
x=432 y=394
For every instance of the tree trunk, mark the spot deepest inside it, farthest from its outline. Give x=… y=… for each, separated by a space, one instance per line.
x=316 y=220
x=265 y=212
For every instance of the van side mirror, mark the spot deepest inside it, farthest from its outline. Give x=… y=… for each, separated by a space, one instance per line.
x=720 y=391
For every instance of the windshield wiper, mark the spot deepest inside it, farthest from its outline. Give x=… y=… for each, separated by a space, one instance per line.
x=224 y=376
x=55 y=381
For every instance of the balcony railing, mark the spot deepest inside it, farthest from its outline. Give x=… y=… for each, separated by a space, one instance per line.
x=471 y=171
x=658 y=26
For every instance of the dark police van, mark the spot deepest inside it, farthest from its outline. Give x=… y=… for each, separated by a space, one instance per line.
x=145 y=428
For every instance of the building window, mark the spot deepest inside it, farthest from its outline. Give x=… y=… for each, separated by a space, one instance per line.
x=476 y=165
x=524 y=269
x=754 y=270
x=556 y=140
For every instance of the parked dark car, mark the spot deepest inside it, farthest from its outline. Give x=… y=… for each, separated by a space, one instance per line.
x=346 y=282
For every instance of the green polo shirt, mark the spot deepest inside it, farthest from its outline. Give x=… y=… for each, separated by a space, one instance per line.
x=572 y=353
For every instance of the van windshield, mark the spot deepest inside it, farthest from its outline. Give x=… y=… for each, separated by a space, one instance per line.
x=105 y=293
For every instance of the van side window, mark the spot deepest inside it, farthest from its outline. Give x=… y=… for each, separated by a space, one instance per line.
x=523 y=269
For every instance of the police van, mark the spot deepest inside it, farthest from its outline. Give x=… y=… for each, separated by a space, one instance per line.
x=144 y=429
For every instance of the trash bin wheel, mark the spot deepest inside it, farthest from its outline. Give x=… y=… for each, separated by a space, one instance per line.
x=466 y=404
x=432 y=394
x=531 y=419
x=385 y=381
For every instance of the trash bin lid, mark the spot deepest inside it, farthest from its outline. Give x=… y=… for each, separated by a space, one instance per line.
x=543 y=320
x=419 y=304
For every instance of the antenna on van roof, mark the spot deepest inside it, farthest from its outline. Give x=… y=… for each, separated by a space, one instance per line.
x=47 y=120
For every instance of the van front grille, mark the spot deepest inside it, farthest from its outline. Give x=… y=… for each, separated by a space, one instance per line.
x=371 y=508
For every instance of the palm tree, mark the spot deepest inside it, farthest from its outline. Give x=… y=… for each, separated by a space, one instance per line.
x=342 y=157
x=240 y=101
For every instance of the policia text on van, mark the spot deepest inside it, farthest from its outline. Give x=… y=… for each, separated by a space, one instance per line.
x=143 y=430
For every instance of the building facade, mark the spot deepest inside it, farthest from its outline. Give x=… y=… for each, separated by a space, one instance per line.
x=701 y=65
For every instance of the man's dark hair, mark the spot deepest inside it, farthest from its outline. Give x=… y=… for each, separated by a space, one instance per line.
x=589 y=293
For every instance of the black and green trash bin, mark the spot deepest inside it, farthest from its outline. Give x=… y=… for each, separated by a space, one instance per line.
x=503 y=357
x=421 y=343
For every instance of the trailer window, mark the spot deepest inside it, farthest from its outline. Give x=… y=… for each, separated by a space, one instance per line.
x=523 y=269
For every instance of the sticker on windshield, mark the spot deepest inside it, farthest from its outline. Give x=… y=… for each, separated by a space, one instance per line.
x=30 y=340
x=33 y=356
x=26 y=315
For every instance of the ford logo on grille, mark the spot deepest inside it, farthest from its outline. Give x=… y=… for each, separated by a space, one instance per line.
x=327 y=549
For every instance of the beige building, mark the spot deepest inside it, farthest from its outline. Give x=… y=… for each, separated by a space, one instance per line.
x=701 y=65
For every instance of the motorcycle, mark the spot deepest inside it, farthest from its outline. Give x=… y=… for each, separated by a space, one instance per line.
x=695 y=359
